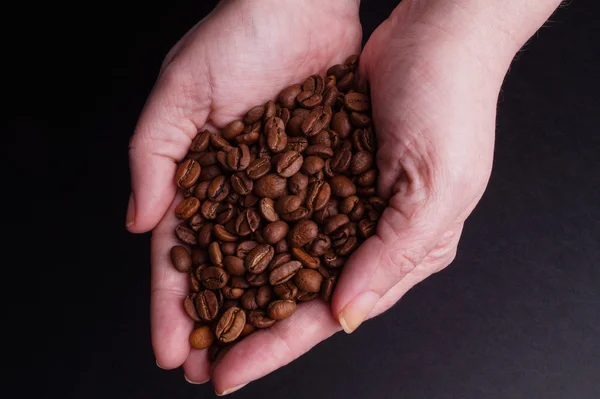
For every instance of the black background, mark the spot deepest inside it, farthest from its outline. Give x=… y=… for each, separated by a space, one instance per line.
x=517 y=315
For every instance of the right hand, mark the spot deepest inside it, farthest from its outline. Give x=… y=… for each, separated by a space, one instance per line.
x=241 y=55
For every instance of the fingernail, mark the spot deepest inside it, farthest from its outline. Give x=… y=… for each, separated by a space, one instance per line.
x=130 y=219
x=159 y=366
x=231 y=390
x=357 y=310
x=195 y=382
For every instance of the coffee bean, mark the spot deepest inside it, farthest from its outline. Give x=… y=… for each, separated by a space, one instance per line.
x=234 y=265
x=244 y=248
x=320 y=150
x=214 y=253
x=320 y=245
x=282 y=309
x=308 y=280
x=335 y=222
x=276 y=137
x=239 y=282
x=222 y=234
x=366 y=228
x=288 y=96
x=248 y=138
x=207 y=305
x=287 y=290
x=302 y=233
x=207 y=158
x=214 y=277
x=346 y=82
x=195 y=222
x=275 y=231
x=279 y=260
x=314 y=83
x=360 y=120
x=259 y=319
x=199 y=256
x=238 y=158
x=287 y=203
x=201 y=337
x=258 y=168
x=258 y=259
x=297 y=144
x=318 y=195
x=190 y=307
x=264 y=296
x=195 y=284
x=348 y=247
x=218 y=189
x=357 y=102
x=257 y=280
x=361 y=162
x=266 y=207
x=308 y=99
x=297 y=183
x=205 y=235
x=365 y=191
x=247 y=330
x=327 y=287
x=230 y=325
x=367 y=178
x=281 y=246
x=185 y=234
x=187 y=173
x=181 y=259
x=219 y=142
x=241 y=183
x=247 y=222
x=270 y=110
x=340 y=162
x=304 y=296
x=363 y=140
x=312 y=165
x=225 y=213
x=342 y=186
x=232 y=293
x=270 y=186
x=332 y=260
x=295 y=216
x=303 y=257
x=248 y=299
x=289 y=163
x=284 y=272
x=317 y=120
x=233 y=129
x=200 y=142
x=201 y=189
x=255 y=114
x=338 y=70
x=331 y=93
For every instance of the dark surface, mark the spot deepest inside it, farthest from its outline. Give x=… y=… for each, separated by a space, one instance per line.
x=517 y=315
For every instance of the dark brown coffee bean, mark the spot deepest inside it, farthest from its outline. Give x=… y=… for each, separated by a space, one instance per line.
x=275 y=132
x=364 y=140
x=327 y=287
x=314 y=83
x=319 y=150
x=360 y=120
x=302 y=233
x=346 y=82
x=209 y=209
x=368 y=178
x=229 y=248
x=247 y=330
x=230 y=325
x=247 y=222
x=320 y=245
x=308 y=280
x=185 y=234
x=279 y=260
x=275 y=231
x=361 y=162
x=338 y=70
x=270 y=186
x=365 y=191
x=225 y=213
x=214 y=277
x=201 y=189
x=233 y=129
x=258 y=168
x=284 y=114
x=284 y=272
x=187 y=173
x=255 y=114
x=259 y=319
x=207 y=158
x=222 y=234
x=207 y=305
x=195 y=284
x=312 y=165
x=264 y=296
x=348 y=247
x=332 y=260
x=287 y=290
x=335 y=222
x=308 y=99
x=241 y=183
x=281 y=246
x=244 y=248
x=237 y=158
x=330 y=94
x=200 y=142
x=214 y=253
x=195 y=222
x=377 y=203
x=318 y=195
x=330 y=209
x=266 y=207
x=295 y=216
x=190 y=308
x=258 y=259
x=357 y=102
x=282 y=309
x=287 y=203
x=257 y=280
x=348 y=204
x=321 y=138
x=219 y=142
x=366 y=228
x=289 y=163
x=201 y=337
x=297 y=183
x=270 y=110
x=287 y=98
x=317 y=120
x=199 y=256
x=342 y=187
x=218 y=189
x=209 y=172
x=232 y=293
x=239 y=282
x=205 y=235
x=294 y=127
x=234 y=265
x=304 y=296
x=247 y=138
x=340 y=162
x=297 y=144
x=303 y=257
x=248 y=299
x=181 y=258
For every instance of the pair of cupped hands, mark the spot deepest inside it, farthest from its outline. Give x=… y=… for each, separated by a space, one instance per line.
x=434 y=106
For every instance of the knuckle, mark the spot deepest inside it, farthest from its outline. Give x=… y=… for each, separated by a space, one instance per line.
x=404 y=261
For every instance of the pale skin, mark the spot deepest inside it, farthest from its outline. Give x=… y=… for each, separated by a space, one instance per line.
x=435 y=69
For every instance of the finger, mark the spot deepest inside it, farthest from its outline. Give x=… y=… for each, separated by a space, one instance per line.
x=196 y=367
x=177 y=107
x=267 y=350
x=170 y=325
x=402 y=242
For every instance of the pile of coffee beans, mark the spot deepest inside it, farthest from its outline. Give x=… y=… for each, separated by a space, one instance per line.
x=274 y=205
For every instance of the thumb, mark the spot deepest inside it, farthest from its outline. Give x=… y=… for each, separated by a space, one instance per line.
x=175 y=110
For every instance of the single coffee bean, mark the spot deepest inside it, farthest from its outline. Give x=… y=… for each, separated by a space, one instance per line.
x=282 y=309
x=201 y=189
x=207 y=158
x=361 y=162
x=287 y=98
x=185 y=234
x=364 y=140
x=348 y=204
x=275 y=231
x=360 y=120
x=248 y=299
x=308 y=280
x=312 y=165
x=345 y=83
x=244 y=248
x=181 y=259
x=338 y=70
x=199 y=256
x=294 y=127
x=357 y=102
x=222 y=234
x=317 y=120
x=270 y=110
x=214 y=253
x=258 y=168
x=202 y=337
x=302 y=233
x=284 y=272
x=287 y=203
x=207 y=305
x=187 y=173
x=352 y=61
x=321 y=138
x=331 y=93
x=257 y=280
x=195 y=284
x=190 y=308
x=214 y=277
x=365 y=191
x=367 y=178
x=287 y=290
x=297 y=183
x=205 y=235
x=264 y=296
x=335 y=222
x=239 y=282
x=276 y=137
x=247 y=330
x=248 y=138
x=314 y=83
x=230 y=325
x=348 y=247
x=317 y=195
x=209 y=209
x=228 y=248
x=241 y=183
x=304 y=296
x=295 y=216
x=377 y=203
x=320 y=245
x=232 y=293
x=320 y=150
x=303 y=257
x=259 y=319
x=236 y=159
x=330 y=209
x=366 y=228
x=340 y=162
x=284 y=114
x=342 y=186
x=200 y=142
x=309 y=99
x=225 y=213
x=219 y=143
x=279 y=260
x=327 y=287
x=187 y=208
x=266 y=207
x=210 y=172
x=247 y=222
x=255 y=114
x=281 y=246
x=234 y=265
x=332 y=260
x=218 y=189
x=233 y=129
x=297 y=144
x=270 y=186
x=195 y=222
x=258 y=259
x=289 y=163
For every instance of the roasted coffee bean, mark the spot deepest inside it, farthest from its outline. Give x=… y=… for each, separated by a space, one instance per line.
x=190 y=307
x=308 y=280
x=367 y=178
x=270 y=186
x=275 y=232
x=259 y=319
x=318 y=195
x=222 y=234
x=266 y=207
x=289 y=163
x=287 y=203
x=214 y=253
x=287 y=98
x=302 y=233
x=284 y=272
x=340 y=162
x=219 y=143
x=357 y=102
x=239 y=282
x=366 y=228
x=264 y=296
x=270 y=110
x=238 y=158
x=225 y=213
x=255 y=114
x=247 y=222
x=244 y=248
x=232 y=293
x=377 y=203
x=308 y=99
x=295 y=216
x=297 y=144
x=321 y=138
x=360 y=120
x=346 y=82
x=181 y=259
x=185 y=234
x=303 y=257
x=234 y=265
x=312 y=165
x=332 y=260
x=349 y=245
x=228 y=248
x=207 y=305
x=287 y=290
x=257 y=280
x=330 y=209
x=233 y=129
x=297 y=183
x=208 y=158
x=205 y=234
x=320 y=245
x=330 y=94
x=342 y=186
x=304 y=296
x=230 y=325
x=279 y=260
x=317 y=120
x=327 y=287
x=294 y=127
x=338 y=70
x=195 y=284
x=214 y=277
x=195 y=222
x=247 y=330
x=314 y=83
x=210 y=172
x=209 y=209
x=320 y=150
x=335 y=222
x=361 y=162
x=258 y=259
x=199 y=256
x=187 y=173
x=284 y=114
x=282 y=309
x=202 y=337
x=218 y=189
x=258 y=168
x=200 y=142
x=248 y=299
x=241 y=183
x=365 y=191
x=363 y=140
x=187 y=208
x=276 y=137
x=201 y=189
x=248 y=138
x=281 y=246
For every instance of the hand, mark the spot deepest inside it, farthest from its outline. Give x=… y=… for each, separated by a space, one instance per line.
x=239 y=56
